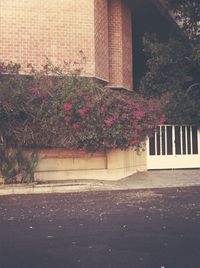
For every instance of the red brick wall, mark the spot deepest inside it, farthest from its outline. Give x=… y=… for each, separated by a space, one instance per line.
x=58 y=29
x=120 y=45
x=115 y=43
x=101 y=39
x=127 y=48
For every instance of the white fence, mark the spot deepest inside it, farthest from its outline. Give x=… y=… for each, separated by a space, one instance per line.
x=174 y=146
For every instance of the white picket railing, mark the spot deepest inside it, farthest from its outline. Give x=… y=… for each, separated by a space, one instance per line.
x=174 y=146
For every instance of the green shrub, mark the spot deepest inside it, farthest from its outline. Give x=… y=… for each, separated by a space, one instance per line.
x=56 y=107
x=15 y=166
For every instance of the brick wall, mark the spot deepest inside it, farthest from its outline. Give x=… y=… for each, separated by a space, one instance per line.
x=101 y=39
x=127 y=48
x=115 y=50
x=58 y=29
x=120 y=45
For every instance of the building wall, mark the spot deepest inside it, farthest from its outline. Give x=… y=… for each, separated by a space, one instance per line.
x=101 y=39
x=115 y=43
x=127 y=71
x=59 y=29
x=120 y=45
x=67 y=165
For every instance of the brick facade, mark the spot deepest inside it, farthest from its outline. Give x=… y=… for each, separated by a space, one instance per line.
x=58 y=29
x=127 y=72
x=101 y=39
x=120 y=45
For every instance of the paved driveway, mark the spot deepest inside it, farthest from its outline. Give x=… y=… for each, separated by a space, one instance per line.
x=163 y=178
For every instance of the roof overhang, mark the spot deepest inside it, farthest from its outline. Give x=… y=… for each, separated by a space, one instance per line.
x=162 y=6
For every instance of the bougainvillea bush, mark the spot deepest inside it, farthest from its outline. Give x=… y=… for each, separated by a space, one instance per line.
x=109 y=120
x=55 y=107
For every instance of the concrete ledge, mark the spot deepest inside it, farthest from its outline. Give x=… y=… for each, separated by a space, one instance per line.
x=63 y=165
x=69 y=165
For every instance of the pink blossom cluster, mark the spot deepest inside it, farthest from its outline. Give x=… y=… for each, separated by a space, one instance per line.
x=110 y=121
x=38 y=92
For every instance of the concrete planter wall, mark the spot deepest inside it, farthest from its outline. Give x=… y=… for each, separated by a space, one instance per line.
x=60 y=164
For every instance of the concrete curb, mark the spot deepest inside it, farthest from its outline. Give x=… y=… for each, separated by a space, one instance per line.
x=43 y=188
x=140 y=181
x=52 y=188
x=56 y=188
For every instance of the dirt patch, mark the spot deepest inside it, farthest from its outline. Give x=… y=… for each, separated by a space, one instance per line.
x=136 y=197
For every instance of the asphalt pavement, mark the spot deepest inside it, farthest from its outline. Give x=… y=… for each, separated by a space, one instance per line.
x=152 y=228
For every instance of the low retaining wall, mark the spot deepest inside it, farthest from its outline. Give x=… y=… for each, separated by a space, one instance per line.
x=70 y=165
x=61 y=164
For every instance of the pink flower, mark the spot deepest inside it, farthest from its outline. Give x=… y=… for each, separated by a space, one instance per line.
x=101 y=109
x=134 y=141
x=109 y=121
x=75 y=126
x=81 y=112
x=149 y=126
x=139 y=115
x=67 y=119
x=161 y=120
x=39 y=92
x=29 y=65
x=45 y=67
x=78 y=70
x=81 y=93
x=67 y=106
x=88 y=106
x=137 y=128
x=130 y=103
x=35 y=90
